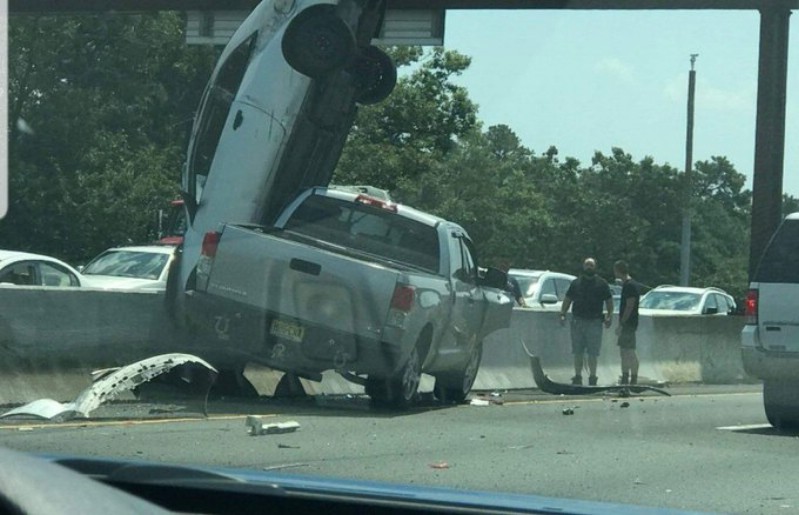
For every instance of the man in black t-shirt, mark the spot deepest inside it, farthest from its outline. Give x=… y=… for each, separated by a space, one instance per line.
x=587 y=293
x=628 y=322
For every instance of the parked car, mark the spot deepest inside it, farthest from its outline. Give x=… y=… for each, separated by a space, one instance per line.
x=684 y=300
x=26 y=269
x=542 y=289
x=130 y=268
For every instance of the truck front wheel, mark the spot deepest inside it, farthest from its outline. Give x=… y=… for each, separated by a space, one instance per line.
x=454 y=388
x=781 y=402
x=399 y=391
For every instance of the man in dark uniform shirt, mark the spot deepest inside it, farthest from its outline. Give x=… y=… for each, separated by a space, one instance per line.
x=587 y=293
x=628 y=322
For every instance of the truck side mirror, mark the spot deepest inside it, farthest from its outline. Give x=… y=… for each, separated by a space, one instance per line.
x=494 y=278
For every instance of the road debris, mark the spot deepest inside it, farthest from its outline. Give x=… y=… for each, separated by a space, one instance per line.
x=109 y=383
x=568 y=411
x=439 y=465
x=624 y=405
x=286 y=446
x=256 y=426
x=479 y=402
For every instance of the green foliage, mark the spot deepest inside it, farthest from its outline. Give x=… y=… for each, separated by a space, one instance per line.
x=99 y=110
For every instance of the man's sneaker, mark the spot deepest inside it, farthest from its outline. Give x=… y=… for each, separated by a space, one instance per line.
x=577 y=380
x=592 y=380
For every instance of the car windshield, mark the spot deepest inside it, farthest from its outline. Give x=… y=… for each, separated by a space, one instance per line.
x=676 y=301
x=235 y=311
x=527 y=284
x=124 y=263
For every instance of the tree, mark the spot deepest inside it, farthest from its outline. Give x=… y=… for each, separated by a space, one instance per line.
x=420 y=122
x=99 y=110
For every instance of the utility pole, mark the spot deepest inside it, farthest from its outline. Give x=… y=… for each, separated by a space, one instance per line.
x=685 y=248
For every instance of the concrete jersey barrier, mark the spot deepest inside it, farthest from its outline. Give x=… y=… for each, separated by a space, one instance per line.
x=50 y=339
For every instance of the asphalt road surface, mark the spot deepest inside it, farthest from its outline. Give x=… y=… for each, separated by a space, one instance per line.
x=705 y=448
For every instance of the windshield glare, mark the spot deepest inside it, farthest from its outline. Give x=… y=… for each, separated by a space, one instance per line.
x=141 y=265
x=677 y=301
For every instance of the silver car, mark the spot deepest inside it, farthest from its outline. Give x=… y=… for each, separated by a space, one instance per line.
x=542 y=289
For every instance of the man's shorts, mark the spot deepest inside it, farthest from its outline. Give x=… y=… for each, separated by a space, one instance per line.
x=586 y=335
x=627 y=338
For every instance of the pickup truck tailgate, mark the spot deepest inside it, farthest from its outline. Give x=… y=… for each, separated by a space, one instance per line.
x=299 y=282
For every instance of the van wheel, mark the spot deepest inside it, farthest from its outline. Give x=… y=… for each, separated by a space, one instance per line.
x=375 y=75
x=400 y=391
x=317 y=41
x=455 y=388
x=781 y=403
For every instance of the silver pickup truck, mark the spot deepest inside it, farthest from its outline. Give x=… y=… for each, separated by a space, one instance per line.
x=374 y=290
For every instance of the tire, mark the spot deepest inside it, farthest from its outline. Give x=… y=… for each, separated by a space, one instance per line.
x=317 y=42
x=400 y=391
x=781 y=403
x=455 y=388
x=375 y=75
x=289 y=387
x=232 y=383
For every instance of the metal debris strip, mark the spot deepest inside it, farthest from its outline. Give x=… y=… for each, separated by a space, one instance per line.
x=545 y=384
x=108 y=384
x=256 y=426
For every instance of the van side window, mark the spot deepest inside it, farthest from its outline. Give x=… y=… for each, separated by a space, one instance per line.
x=780 y=261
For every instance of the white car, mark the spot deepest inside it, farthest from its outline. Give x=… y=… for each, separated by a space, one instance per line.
x=685 y=300
x=542 y=289
x=277 y=110
x=130 y=268
x=27 y=269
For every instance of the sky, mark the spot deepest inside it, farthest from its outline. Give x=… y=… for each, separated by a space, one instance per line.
x=593 y=80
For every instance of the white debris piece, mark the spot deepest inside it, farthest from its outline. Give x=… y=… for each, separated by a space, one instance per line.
x=256 y=426
x=108 y=384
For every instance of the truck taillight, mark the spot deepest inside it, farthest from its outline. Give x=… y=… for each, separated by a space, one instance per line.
x=375 y=202
x=402 y=300
x=210 y=243
x=751 y=306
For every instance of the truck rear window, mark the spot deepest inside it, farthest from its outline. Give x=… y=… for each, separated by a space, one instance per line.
x=369 y=230
x=780 y=262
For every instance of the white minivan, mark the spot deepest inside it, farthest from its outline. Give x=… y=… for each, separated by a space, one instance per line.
x=770 y=338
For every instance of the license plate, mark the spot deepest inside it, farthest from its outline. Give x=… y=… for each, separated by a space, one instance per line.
x=287 y=330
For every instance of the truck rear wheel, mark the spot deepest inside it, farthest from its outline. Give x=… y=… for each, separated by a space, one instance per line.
x=781 y=403
x=400 y=391
x=317 y=41
x=455 y=388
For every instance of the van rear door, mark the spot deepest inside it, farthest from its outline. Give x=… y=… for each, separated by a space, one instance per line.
x=777 y=284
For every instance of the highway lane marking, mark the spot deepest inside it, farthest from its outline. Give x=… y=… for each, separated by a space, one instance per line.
x=744 y=427
x=21 y=426
x=605 y=398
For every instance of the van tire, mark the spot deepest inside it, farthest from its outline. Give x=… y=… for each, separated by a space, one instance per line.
x=317 y=42
x=781 y=403
x=375 y=75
